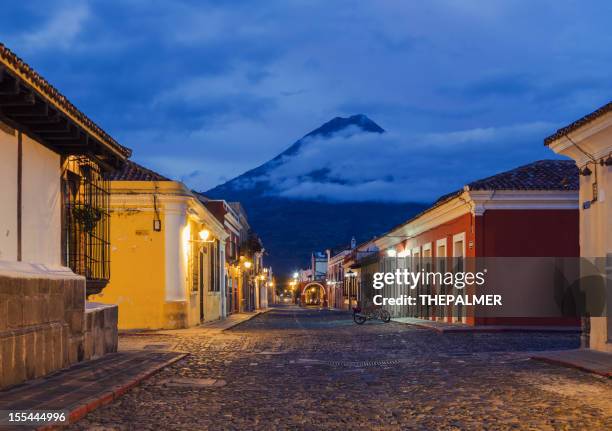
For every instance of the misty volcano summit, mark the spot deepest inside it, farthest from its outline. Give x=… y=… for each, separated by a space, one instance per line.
x=315 y=166
x=328 y=186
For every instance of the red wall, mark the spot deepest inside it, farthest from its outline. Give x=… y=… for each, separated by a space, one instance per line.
x=527 y=233
x=509 y=233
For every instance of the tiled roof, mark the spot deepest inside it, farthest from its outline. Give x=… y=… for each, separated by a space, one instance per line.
x=540 y=175
x=579 y=123
x=132 y=171
x=12 y=61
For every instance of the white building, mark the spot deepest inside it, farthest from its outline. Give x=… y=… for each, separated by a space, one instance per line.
x=54 y=227
x=588 y=141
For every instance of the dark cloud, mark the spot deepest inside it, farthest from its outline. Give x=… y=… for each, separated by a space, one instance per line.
x=215 y=88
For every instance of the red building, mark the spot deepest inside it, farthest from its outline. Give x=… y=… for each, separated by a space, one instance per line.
x=527 y=212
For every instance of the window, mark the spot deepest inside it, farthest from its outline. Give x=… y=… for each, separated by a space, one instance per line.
x=441 y=268
x=214 y=267
x=441 y=255
x=196 y=262
x=86 y=230
x=459 y=245
x=458 y=266
x=441 y=247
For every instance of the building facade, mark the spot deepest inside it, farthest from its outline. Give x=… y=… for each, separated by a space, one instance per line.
x=528 y=213
x=230 y=219
x=588 y=142
x=54 y=246
x=334 y=279
x=355 y=287
x=168 y=253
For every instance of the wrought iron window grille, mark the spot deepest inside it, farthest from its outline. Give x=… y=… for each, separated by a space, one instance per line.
x=86 y=219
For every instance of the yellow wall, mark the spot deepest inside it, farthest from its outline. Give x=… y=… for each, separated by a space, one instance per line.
x=137 y=281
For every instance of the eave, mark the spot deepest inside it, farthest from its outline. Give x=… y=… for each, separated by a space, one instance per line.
x=29 y=103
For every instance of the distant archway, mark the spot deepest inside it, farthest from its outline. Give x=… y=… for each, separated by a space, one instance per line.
x=314 y=293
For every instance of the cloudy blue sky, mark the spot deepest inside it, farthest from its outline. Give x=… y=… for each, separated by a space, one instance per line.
x=202 y=91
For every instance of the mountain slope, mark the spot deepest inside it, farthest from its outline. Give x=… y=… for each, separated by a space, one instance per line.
x=292 y=227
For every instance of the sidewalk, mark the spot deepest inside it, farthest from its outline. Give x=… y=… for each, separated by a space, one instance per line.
x=232 y=320
x=87 y=385
x=215 y=326
x=444 y=327
x=583 y=359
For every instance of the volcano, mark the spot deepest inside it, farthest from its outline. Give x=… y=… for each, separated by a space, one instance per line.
x=284 y=205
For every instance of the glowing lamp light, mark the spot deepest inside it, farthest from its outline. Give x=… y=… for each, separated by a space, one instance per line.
x=391 y=252
x=204 y=234
x=248 y=264
x=296 y=275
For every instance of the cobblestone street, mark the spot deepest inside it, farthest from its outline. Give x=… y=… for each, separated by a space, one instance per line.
x=308 y=369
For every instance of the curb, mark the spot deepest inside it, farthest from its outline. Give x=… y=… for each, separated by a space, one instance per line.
x=248 y=318
x=568 y=364
x=91 y=404
x=451 y=329
x=421 y=326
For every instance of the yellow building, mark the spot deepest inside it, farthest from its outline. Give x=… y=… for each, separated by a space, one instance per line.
x=168 y=254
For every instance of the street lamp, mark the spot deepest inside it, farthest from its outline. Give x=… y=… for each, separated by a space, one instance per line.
x=204 y=234
x=248 y=264
x=296 y=275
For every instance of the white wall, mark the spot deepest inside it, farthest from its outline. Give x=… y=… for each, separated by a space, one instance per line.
x=176 y=248
x=41 y=201
x=8 y=191
x=41 y=214
x=594 y=138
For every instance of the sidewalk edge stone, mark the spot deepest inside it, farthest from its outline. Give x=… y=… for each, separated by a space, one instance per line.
x=91 y=404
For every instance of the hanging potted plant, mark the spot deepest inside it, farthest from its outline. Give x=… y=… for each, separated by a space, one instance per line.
x=87 y=216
